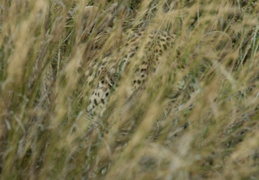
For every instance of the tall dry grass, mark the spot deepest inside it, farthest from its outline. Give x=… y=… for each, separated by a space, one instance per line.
x=197 y=118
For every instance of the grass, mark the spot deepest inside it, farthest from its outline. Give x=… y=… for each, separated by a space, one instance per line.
x=207 y=129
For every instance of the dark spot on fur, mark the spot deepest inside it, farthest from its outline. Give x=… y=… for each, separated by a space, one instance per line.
x=131 y=55
x=185 y=125
x=95 y=102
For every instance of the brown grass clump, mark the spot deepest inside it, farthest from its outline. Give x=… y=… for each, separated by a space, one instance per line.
x=206 y=129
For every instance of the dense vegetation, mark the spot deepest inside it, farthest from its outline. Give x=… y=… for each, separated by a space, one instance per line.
x=207 y=129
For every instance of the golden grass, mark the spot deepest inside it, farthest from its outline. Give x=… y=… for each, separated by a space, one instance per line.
x=206 y=130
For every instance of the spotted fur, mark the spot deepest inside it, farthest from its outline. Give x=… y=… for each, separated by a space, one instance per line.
x=143 y=50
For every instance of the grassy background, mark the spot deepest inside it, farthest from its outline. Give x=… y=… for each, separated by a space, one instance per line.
x=207 y=129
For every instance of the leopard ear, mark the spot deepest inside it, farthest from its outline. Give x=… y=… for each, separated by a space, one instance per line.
x=88 y=19
x=85 y=19
x=104 y=17
x=92 y=19
x=90 y=13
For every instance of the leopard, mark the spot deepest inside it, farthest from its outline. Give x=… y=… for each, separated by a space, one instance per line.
x=140 y=46
x=144 y=50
